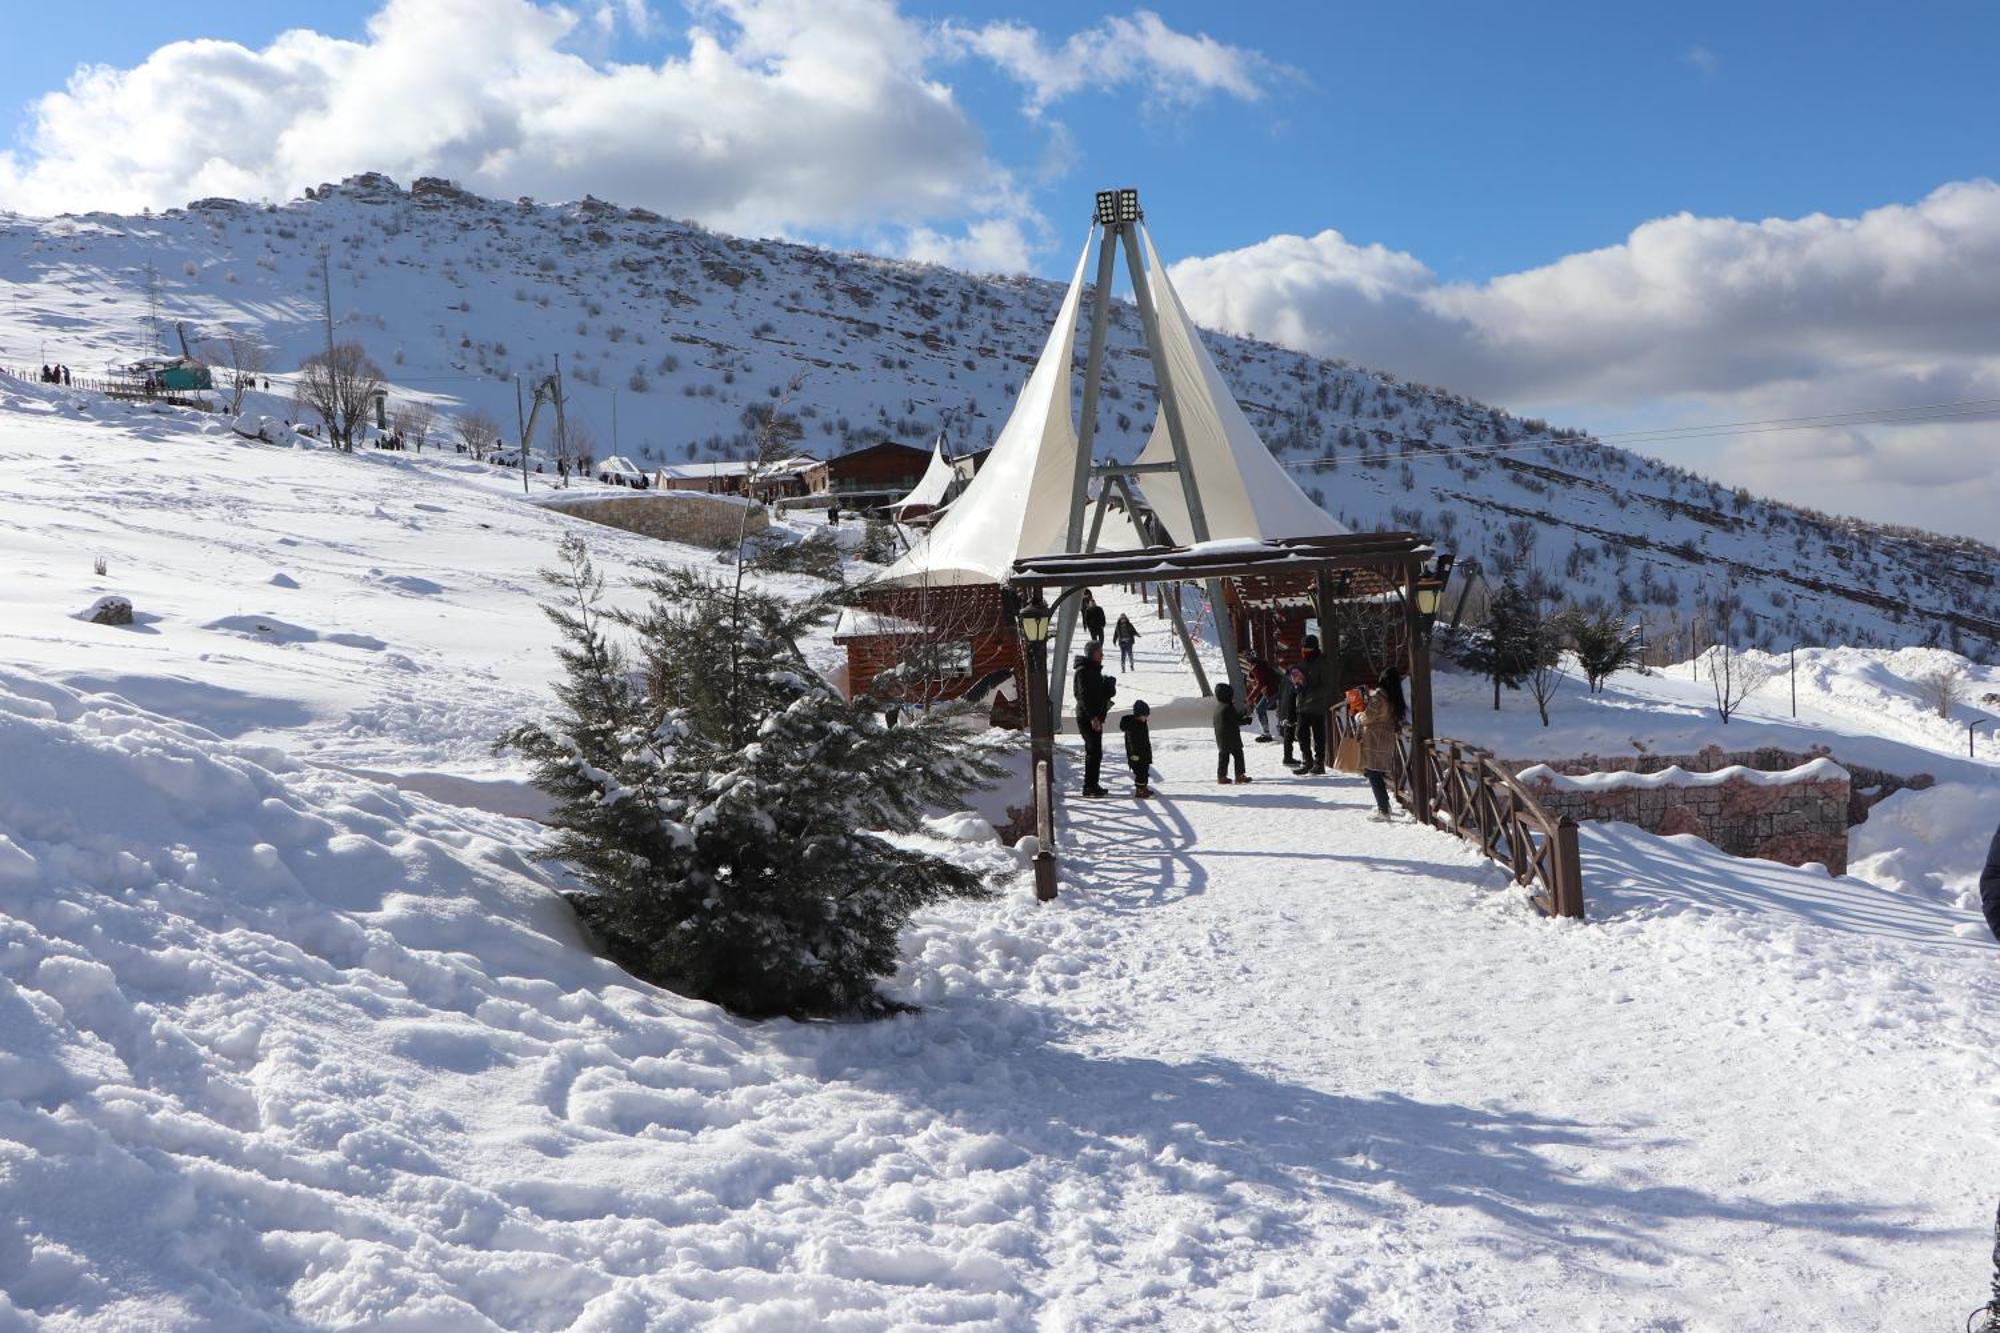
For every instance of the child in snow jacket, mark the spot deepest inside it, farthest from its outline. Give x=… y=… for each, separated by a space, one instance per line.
x=1139 y=747
x=1228 y=736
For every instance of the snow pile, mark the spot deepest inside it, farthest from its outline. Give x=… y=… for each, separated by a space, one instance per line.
x=1817 y=770
x=279 y=1044
x=1931 y=843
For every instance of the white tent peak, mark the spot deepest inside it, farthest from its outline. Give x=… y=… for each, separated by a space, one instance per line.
x=932 y=487
x=1018 y=502
x=1244 y=492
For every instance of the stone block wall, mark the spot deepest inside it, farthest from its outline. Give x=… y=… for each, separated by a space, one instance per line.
x=1866 y=786
x=1794 y=816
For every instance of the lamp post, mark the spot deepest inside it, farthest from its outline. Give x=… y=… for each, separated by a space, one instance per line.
x=1792 y=656
x=1036 y=619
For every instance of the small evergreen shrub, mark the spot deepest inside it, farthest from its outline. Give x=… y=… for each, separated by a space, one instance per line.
x=726 y=808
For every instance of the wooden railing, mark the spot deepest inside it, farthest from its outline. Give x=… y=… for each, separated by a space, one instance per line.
x=118 y=388
x=1472 y=795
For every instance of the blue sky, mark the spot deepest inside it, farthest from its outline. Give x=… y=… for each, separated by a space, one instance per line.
x=1614 y=216
x=1482 y=138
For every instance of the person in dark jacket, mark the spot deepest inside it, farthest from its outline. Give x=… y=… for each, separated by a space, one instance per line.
x=1228 y=736
x=1289 y=681
x=1315 y=697
x=1093 y=691
x=1139 y=748
x=1989 y=885
x=1093 y=618
x=1125 y=634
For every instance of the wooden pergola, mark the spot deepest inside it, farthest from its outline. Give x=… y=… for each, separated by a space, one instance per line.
x=1379 y=567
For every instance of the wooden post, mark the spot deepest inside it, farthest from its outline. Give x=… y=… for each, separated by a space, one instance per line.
x=1569 y=871
x=1042 y=754
x=1420 y=692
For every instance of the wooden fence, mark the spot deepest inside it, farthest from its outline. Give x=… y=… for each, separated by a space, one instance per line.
x=1474 y=796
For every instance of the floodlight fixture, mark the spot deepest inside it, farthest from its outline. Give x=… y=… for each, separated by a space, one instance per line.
x=1115 y=207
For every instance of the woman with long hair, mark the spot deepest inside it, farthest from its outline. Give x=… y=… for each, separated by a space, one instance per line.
x=1381 y=719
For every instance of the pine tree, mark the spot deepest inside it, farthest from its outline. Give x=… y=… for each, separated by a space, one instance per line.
x=1507 y=647
x=1605 y=643
x=727 y=808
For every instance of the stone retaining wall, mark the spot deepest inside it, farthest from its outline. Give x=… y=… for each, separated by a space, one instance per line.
x=1794 y=816
x=1866 y=786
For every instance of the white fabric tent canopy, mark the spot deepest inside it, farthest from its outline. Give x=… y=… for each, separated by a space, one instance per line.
x=1018 y=502
x=930 y=490
x=1244 y=492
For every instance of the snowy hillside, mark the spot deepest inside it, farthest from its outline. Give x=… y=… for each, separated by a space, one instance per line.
x=687 y=336
x=284 y=1046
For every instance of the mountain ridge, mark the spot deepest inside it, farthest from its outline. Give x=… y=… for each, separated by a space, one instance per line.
x=676 y=341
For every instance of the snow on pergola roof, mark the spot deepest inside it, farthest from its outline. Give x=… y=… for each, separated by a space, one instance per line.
x=930 y=489
x=1244 y=493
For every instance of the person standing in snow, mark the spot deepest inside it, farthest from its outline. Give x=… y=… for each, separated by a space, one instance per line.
x=1315 y=696
x=1139 y=748
x=1093 y=618
x=1380 y=720
x=1263 y=696
x=1125 y=634
x=1093 y=690
x=1228 y=736
x=1289 y=681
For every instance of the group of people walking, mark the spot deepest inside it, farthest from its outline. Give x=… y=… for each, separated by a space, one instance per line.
x=55 y=374
x=1300 y=697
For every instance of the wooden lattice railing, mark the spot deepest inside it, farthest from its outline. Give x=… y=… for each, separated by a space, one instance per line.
x=1472 y=795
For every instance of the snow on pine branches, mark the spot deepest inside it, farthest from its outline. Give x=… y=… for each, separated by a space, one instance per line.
x=727 y=808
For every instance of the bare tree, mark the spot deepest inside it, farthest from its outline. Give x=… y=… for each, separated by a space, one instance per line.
x=340 y=385
x=243 y=358
x=477 y=431
x=413 y=423
x=1734 y=678
x=1942 y=690
x=1548 y=665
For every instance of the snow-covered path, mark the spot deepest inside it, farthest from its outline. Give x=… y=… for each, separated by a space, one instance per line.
x=1425 y=1106
x=284 y=1048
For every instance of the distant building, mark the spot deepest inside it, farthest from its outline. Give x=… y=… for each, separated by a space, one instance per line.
x=621 y=471
x=877 y=475
x=780 y=479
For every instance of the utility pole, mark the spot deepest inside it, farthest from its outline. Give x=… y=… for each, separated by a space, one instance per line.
x=326 y=304
x=521 y=432
x=562 y=428
x=614 y=421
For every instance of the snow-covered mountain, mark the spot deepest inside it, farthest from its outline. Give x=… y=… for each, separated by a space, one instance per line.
x=676 y=340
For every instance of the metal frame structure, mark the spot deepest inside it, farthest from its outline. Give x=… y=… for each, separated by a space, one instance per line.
x=1396 y=560
x=1117 y=219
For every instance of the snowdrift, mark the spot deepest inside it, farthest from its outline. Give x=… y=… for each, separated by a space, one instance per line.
x=280 y=1047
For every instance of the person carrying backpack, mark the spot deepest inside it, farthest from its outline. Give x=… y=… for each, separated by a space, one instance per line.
x=1139 y=748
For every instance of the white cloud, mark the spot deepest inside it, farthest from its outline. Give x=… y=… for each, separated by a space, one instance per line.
x=1703 y=59
x=777 y=115
x=1173 y=68
x=995 y=245
x=1698 y=318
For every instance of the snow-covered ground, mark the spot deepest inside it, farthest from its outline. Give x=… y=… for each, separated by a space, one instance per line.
x=286 y=1046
